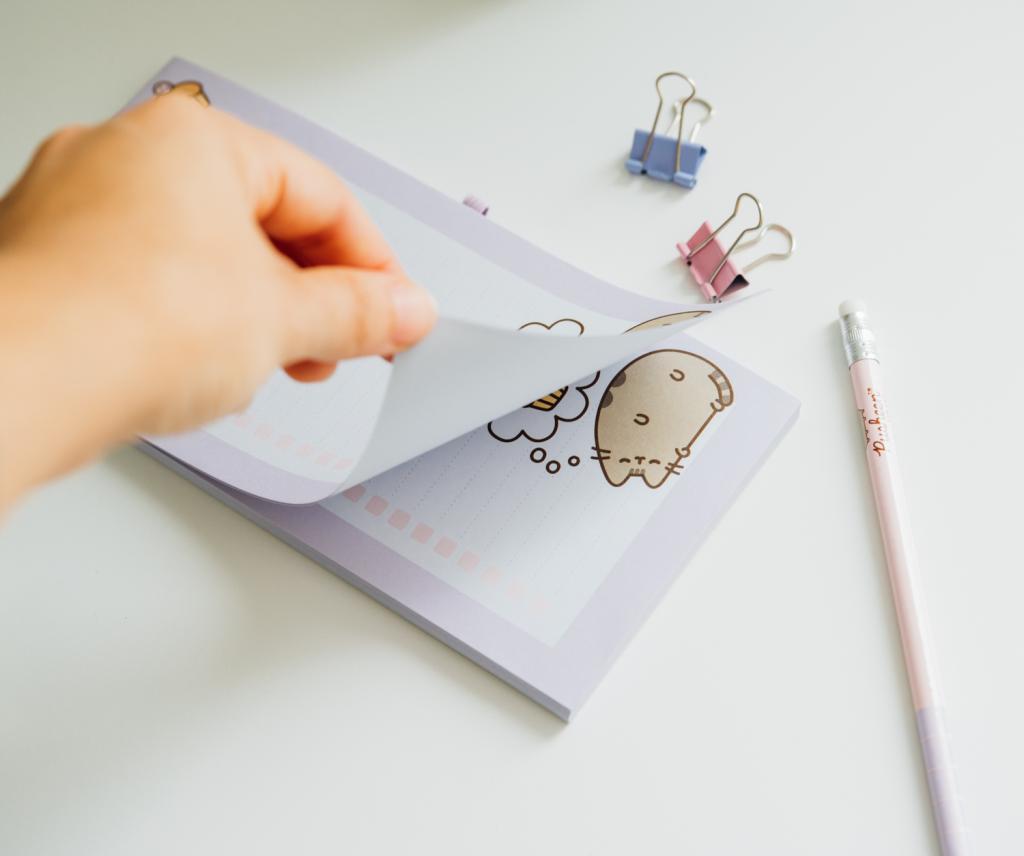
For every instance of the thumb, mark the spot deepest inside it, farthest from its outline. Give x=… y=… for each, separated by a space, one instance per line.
x=342 y=312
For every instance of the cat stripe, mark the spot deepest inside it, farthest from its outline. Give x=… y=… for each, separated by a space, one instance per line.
x=725 y=393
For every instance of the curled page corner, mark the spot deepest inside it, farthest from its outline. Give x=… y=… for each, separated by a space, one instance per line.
x=460 y=377
x=464 y=374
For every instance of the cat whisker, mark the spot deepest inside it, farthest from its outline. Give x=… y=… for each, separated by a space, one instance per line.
x=599 y=457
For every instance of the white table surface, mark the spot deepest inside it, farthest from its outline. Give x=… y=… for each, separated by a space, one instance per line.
x=174 y=680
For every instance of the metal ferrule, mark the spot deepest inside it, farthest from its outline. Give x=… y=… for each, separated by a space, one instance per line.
x=858 y=340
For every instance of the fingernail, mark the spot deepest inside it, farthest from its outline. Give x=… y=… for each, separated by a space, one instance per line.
x=414 y=313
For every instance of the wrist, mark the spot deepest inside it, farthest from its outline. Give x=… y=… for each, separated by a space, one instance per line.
x=59 y=375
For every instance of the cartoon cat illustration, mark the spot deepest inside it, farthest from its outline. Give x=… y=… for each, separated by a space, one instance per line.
x=652 y=413
x=666 y=320
x=192 y=88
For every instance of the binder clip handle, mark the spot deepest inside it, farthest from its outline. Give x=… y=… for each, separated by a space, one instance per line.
x=681 y=107
x=769 y=257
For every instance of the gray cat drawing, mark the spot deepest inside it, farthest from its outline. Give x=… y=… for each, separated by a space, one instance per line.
x=652 y=413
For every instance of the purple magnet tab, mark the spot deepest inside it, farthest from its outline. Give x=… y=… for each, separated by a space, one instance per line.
x=477 y=205
x=703 y=263
x=661 y=159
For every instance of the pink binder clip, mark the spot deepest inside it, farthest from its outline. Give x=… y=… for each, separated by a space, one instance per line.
x=715 y=272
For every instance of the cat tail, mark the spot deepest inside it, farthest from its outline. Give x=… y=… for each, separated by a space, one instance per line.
x=725 y=393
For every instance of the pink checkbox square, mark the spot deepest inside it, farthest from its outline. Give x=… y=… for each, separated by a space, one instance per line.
x=422 y=533
x=264 y=431
x=376 y=505
x=445 y=547
x=343 y=464
x=491 y=576
x=325 y=459
x=354 y=493
x=284 y=441
x=399 y=519
x=514 y=590
x=468 y=561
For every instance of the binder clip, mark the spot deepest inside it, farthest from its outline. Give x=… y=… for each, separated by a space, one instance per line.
x=669 y=157
x=716 y=272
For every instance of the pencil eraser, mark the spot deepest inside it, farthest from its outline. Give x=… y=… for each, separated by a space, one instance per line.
x=848 y=307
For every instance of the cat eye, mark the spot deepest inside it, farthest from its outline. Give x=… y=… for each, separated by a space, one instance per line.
x=677 y=374
x=642 y=419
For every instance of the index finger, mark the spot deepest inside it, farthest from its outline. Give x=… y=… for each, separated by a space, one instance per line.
x=301 y=204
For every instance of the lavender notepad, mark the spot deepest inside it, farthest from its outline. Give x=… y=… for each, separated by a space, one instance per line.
x=535 y=539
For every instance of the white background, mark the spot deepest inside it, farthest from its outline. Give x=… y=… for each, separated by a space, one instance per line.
x=174 y=680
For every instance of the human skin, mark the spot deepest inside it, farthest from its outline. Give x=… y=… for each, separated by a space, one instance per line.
x=156 y=268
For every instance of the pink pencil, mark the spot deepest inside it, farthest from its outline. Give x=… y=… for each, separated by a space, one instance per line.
x=869 y=398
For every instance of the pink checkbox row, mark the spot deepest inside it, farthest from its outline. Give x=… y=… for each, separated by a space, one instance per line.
x=443 y=546
x=265 y=431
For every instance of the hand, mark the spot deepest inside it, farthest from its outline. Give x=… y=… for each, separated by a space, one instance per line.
x=154 y=270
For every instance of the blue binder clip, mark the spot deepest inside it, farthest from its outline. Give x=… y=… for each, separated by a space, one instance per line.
x=664 y=156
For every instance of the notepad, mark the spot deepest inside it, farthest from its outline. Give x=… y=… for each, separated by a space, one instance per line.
x=525 y=484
